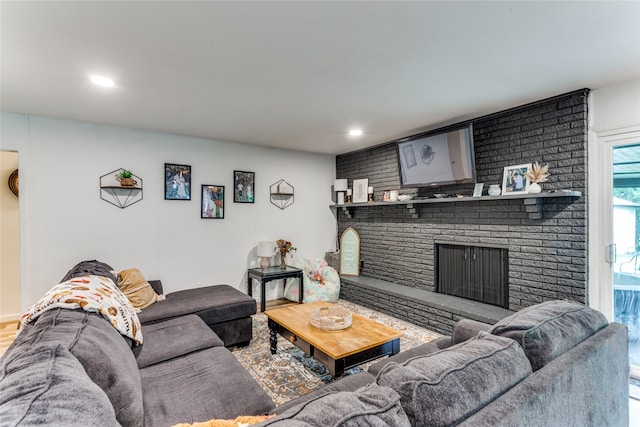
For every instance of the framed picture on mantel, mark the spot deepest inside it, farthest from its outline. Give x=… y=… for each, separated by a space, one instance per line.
x=350 y=253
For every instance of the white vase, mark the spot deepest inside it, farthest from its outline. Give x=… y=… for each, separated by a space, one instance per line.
x=534 y=188
x=494 y=190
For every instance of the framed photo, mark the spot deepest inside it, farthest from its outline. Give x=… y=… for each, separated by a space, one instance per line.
x=386 y=196
x=244 y=184
x=360 y=190
x=212 y=205
x=177 y=182
x=514 y=180
x=477 y=189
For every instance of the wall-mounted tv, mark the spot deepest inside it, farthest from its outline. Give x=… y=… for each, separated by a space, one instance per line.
x=437 y=158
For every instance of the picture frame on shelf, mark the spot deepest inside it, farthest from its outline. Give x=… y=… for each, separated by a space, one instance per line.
x=360 y=187
x=177 y=182
x=386 y=195
x=477 y=189
x=212 y=202
x=514 y=180
x=244 y=185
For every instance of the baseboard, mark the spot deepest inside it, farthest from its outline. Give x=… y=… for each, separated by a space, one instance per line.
x=9 y=317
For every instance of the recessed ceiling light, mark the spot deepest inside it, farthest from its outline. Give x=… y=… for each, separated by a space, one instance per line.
x=102 y=81
x=355 y=132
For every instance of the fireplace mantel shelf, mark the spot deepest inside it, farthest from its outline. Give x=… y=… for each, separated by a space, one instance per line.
x=532 y=202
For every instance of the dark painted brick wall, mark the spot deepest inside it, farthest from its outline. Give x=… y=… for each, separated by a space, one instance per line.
x=547 y=257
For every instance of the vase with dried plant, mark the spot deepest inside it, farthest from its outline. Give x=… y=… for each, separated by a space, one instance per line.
x=285 y=247
x=537 y=174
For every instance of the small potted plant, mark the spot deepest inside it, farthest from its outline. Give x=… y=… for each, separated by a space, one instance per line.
x=125 y=177
x=538 y=173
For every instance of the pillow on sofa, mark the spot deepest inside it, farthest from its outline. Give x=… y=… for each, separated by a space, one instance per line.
x=90 y=268
x=371 y=405
x=547 y=330
x=136 y=288
x=446 y=387
x=45 y=383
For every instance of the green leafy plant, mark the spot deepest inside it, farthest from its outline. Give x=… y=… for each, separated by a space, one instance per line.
x=124 y=173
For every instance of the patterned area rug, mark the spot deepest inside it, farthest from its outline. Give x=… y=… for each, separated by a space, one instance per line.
x=290 y=373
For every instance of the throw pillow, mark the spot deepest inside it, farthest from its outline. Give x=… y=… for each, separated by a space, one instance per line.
x=547 y=330
x=136 y=288
x=371 y=406
x=446 y=387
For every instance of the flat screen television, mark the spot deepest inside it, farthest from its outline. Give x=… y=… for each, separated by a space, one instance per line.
x=437 y=158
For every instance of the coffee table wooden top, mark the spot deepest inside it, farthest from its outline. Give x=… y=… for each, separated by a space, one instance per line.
x=361 y=335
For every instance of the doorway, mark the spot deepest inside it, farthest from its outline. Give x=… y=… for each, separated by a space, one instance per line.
x=624 y=205
x=10 y=239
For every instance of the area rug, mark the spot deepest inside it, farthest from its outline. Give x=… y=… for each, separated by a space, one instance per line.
x=290 y=373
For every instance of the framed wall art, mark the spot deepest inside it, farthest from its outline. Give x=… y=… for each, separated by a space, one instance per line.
x=177 y=182
x=514 y=180
x=360 y=190
x=212 y=205
x=244 y=184
x=477 y=189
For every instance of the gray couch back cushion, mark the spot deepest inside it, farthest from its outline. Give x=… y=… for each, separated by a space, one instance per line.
x=104 y=354
x=43 y=384
x=445 y=387
x=547 y=330
x=369 y=406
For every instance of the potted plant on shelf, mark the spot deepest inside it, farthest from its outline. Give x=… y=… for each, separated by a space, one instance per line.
x=125 y=177
x=537 y=174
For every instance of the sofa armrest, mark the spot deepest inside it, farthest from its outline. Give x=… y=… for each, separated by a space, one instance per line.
x=467 y=328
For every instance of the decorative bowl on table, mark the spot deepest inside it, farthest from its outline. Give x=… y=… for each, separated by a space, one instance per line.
x=331 y=318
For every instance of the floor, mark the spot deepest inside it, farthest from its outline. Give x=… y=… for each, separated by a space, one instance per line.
x=8 y=334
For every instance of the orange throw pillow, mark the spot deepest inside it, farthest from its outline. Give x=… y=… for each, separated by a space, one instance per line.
x=136 y=288
x=243 y=420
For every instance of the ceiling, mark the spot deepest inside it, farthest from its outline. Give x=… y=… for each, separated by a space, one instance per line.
x=299 y=75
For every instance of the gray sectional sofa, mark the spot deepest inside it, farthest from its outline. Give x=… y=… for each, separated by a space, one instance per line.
x=557 y=363
x=554 y=364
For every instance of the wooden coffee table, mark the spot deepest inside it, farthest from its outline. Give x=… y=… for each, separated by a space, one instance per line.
x=363 y=341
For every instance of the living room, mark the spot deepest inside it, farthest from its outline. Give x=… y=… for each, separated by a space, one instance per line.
x=61 y=157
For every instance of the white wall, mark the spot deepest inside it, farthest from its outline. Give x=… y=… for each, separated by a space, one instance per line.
x=64 y=221
x=9 y=241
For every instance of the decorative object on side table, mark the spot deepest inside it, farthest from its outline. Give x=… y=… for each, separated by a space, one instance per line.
x=494 y=190
x=332 y=318
x=514 y=179
x=285 y=247
x=340 y=186
x=537 y=174
x=265 y=251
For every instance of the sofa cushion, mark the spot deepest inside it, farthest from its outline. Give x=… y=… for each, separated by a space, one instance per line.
x=136 y=288
x=403 y=356
x=200 y=386
x=174 y=338
x=104 y=353
x=44 y=384
x=214 y=304
x=547 y=330
x=445 y=387
x=371 y=405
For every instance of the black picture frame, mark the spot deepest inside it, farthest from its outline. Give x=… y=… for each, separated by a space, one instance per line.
x=177 y=182
x=244 y=185
x=212 y=201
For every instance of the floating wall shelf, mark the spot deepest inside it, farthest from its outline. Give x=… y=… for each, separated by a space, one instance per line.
x=281 y=194
x=118 y=195
x=532 y=202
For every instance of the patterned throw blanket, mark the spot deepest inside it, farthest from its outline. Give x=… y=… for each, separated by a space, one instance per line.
x=94 y=294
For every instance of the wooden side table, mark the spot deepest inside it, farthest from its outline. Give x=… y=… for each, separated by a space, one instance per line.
x=269 y=274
